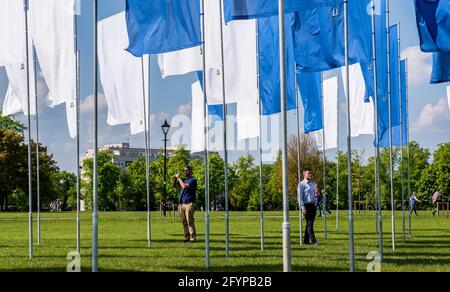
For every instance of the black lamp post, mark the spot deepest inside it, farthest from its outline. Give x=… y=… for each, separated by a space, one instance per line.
x=165 y=128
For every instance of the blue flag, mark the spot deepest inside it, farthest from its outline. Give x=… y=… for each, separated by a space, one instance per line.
x=320 y=39
x=368 y=67
x=433 y=19
x=441 y=68
x=405 y=112
x=269 y=60
x=395 y=92
x=310 y=87
x=443 y=20
x=216 y=110
x=250 y=9
x=161 y=26
x=382 y=63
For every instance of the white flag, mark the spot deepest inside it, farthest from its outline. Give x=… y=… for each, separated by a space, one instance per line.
x=17 y=76
x=362 y=113
x=180 y=62
x=330 y=104
x=247 y=118
x=240 y=60
x=197 y=119
x=11 y=104
x=52 y=31
x=12 y=32
x=121 y=74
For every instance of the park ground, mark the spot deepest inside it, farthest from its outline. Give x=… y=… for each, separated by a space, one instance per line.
x=123 y=243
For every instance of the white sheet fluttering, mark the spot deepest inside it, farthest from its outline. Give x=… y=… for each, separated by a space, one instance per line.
x=240 y=59
x=330 y=104
x=197 y=118
x=17 y=76
x=362 y=113
x=11 y=104
x=52 y=30
x=247 y=119
x=12 y=32
x=180 y=62
x=121 y=75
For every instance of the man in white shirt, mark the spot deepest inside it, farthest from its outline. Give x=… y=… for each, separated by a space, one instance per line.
x=307 y=201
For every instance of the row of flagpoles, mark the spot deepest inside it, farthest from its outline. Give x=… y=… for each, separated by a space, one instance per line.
x=113 y=48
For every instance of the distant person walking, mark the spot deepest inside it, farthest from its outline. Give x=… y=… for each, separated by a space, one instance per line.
x=188 y=192
x=413 y=204
x=318 y=201
x=306 y=195
x=325 y=202
x=436 y=199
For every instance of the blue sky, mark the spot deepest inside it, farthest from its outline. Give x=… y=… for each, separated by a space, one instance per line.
x=429 y=112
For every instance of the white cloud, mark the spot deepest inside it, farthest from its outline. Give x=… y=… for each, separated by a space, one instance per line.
x=419 y=65
x=87 y=104
x=434 y=119
x=185 y=109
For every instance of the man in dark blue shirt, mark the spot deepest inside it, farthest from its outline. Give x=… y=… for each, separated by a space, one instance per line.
x=188 y=191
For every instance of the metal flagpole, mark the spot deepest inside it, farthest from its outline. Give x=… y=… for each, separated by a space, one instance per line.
x=147 y=148
x=78 y=151
x=401 y=134
x=377 y=134
x=391 y=163
x=225 y=150
x=38 y=201
x=299 y=160
x=337 y=168
x=286 y=225
x=349 y=143
x=77 y=93
x=261 y=191
x=375 y=182
x=324 y=199
x=205 y=116
x=407 y=134
x=30 y=192
x=95 y=182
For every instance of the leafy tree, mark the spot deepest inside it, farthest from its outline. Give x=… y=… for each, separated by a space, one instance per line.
x=108 y=177
x=9 y=124
x=14 y=171
x=13 y=164
x=64 y=186
x=217 y=179
x=255 y=198
x=428 y=185
x=310 y=157
x=245 y=184
x=441 y=162
x=274 y=191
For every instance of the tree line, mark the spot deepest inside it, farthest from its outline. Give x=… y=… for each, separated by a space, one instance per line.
x=125 y=190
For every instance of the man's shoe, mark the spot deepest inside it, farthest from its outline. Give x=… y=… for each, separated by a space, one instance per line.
x=315 y=243
x=192 y=240
x=187 y=240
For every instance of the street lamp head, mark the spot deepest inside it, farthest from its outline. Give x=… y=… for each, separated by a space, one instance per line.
x=165 y=127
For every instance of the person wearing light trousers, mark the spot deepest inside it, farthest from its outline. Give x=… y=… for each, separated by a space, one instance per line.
x=188 y=191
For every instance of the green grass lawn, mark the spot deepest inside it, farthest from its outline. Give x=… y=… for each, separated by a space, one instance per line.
x=123 y=244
